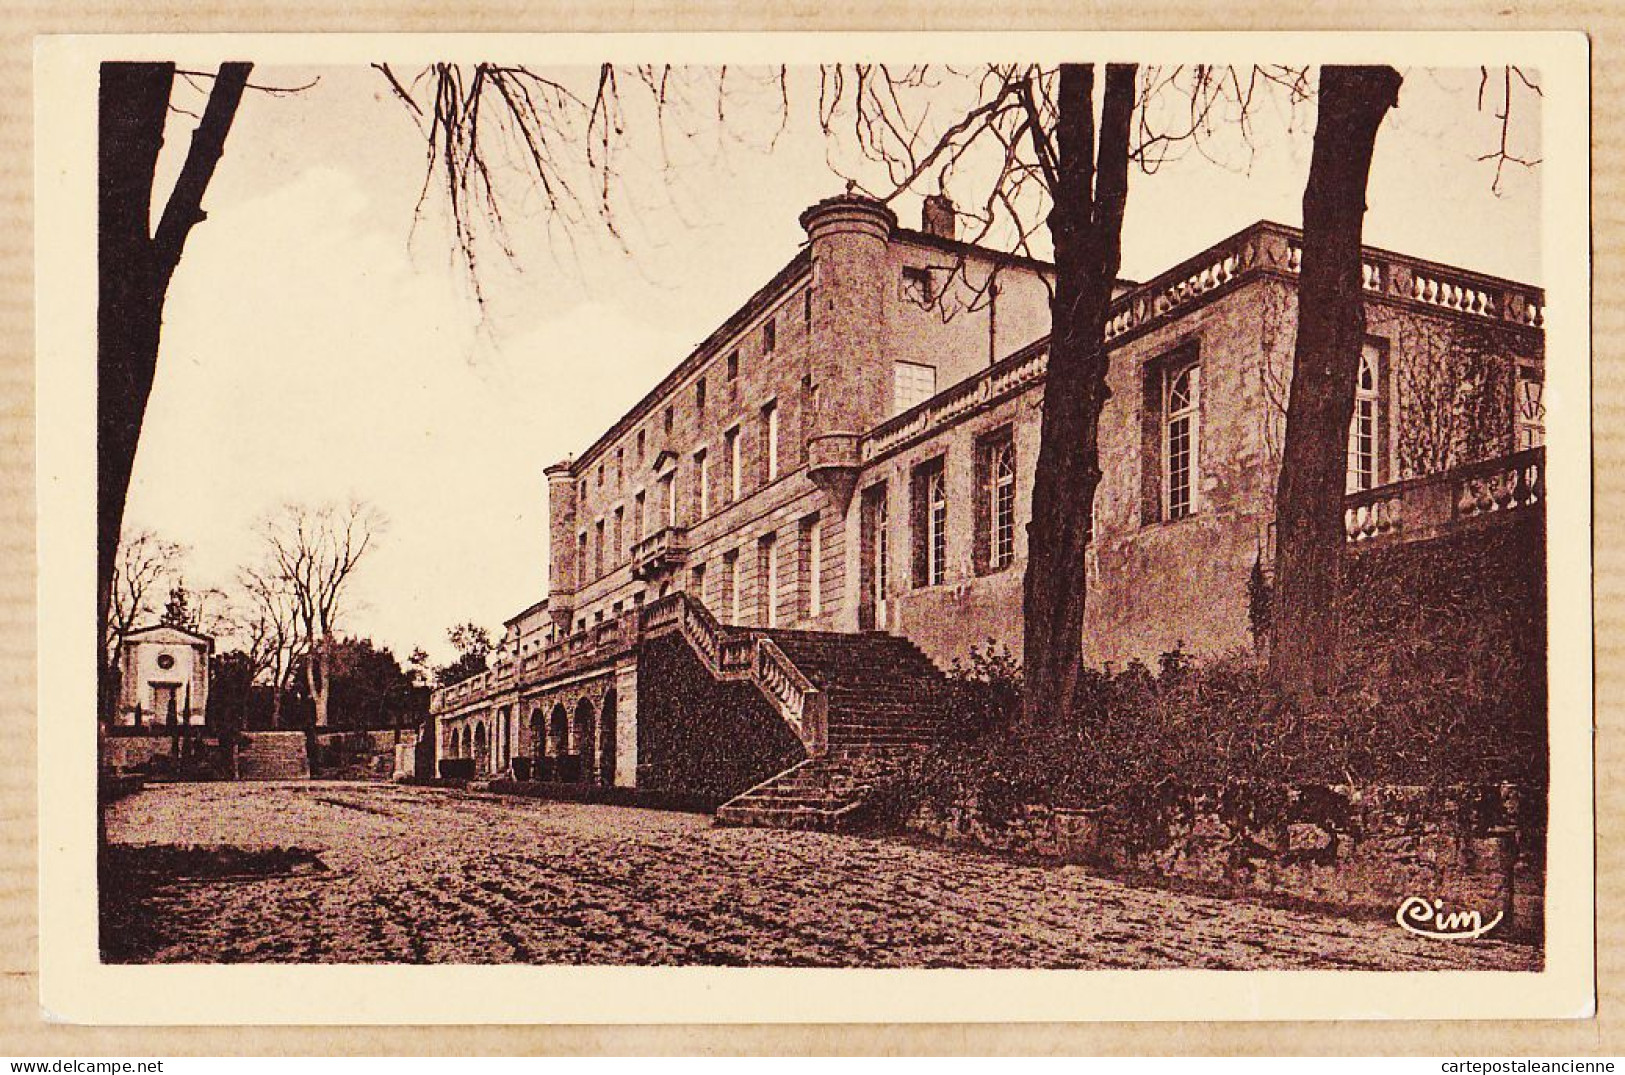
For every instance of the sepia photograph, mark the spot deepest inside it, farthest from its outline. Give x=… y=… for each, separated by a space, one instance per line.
x=770 y=510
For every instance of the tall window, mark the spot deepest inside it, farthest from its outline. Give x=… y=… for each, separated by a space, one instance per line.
x=669 y=420
x=770 y=337
x=937 y=528
x=806 y=309
x=620 y=534
x=1531 y=408
x=770 y=439
x=912 y=383
x=598 y=542
x=699 y=395
x=668 y=498
x=640 y=446
x=639 y=518
x=812 y=565
x=620 y=466
x=767 y=581
x=730 y=441
x=702 y=471
x=733 y=365
x=581 y=557
x=930 y=524
x=1180 y=439
x=1002 y=525
x=1362 y=465
x=696 y=581
x=730 y=586
x=883 y=546
x=872 y=568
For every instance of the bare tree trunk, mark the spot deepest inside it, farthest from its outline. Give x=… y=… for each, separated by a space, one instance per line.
x=1331 y=330
x=133 y=104
x=278 y=685
x=135 y=262
x=1086 y=224
x=316 y=678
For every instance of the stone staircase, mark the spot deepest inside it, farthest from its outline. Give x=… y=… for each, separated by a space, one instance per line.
x=885 y=702
x=273 y=756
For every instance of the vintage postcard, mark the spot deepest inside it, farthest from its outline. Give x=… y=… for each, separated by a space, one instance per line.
x=829 y=528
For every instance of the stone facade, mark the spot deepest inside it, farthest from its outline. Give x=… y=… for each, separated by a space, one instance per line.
x=854 y=449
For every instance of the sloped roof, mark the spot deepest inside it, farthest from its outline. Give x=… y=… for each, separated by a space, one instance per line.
x=186 y=632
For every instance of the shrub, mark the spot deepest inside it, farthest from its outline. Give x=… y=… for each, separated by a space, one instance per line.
x=457 y=768
x=1443 y=683
x=984 y=693
x=1139 y=738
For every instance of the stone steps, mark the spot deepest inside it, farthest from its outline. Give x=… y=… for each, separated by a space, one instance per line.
x=273 y=756
x=886 y=703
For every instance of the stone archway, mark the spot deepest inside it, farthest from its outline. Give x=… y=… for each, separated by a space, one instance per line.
x=482 y=751
x=606 y=740
x=538 y=737
x=583 y=736
x=558 y=740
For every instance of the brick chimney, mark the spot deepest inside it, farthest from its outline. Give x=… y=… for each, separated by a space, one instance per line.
x=937 y=217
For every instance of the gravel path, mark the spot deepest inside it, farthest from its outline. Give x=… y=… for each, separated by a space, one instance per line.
x=417 y=875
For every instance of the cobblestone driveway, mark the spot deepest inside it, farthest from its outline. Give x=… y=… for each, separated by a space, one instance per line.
x=419 y=875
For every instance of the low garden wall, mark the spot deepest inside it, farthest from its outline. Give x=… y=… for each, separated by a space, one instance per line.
x=125 y=752
x=1356 y=849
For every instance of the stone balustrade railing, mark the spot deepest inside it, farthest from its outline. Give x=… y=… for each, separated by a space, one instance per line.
x=1431 y=506
x=738 y=654
x=993 y=384
x=1264 y=248
x=729 y=653
x=803 y=706
x=659 y=551
x=597 y=643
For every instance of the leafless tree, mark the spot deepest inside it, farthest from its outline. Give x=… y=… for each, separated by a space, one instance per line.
x=564 y=143
x=314 y=551
x=143 y=569
x=1326 y=362
x=1499 y=91
x=1025 y=137
x=136 y=259
x=1305 y=619
x=270 y=631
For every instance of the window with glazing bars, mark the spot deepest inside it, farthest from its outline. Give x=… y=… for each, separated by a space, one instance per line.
x=1003 y=523
x=1180 y=432
x=1362 y=465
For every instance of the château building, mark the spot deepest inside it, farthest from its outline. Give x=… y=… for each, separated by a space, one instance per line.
x=827 y=498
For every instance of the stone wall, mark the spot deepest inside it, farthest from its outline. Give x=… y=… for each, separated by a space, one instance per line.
x=125 y=752
x=1365 y=850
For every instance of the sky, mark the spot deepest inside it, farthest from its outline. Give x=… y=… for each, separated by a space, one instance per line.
x=321 y=342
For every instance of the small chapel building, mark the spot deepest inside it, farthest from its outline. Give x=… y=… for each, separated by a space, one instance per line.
x=163 y=678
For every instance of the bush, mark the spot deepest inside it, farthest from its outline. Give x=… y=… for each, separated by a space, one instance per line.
x=457 y=768
x=1443 y=683
x=984 y=693
x=1140 y=737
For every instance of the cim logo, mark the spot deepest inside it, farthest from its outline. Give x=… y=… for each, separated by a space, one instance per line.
x=1428 y=918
